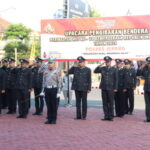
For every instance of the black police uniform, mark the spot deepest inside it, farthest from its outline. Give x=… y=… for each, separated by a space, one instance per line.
x=120 y=95
x=4 y=95
x=37 y=85
x=145 y=72
x=23 y=84
x=109 y=83
x=2 y=85
x=130 y=85
x=81 y=84
x=11 y=89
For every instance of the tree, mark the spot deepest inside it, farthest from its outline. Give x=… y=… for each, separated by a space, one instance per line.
x=22 y=50
x=17 y=31
x=18 y=37
x=95 y=13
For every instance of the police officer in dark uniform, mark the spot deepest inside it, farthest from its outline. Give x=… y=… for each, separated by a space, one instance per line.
x=130 y=85
x=2 y=85
x=37 y=85
x=144 y=71
x=4 y=95
x=82 y=85
x=108 y=85
x=120 y=94
x=24 y=85
x=11 y=87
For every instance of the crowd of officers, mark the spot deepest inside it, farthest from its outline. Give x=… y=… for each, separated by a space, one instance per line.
x=117 y=86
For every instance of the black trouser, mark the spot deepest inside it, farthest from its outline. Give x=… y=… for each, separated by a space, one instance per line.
x=108 y=103
x=12 y=99
x=0 y=101
x=119 y=103
x=39 y=103
x=23 y=101
x=129 y=101
x=81 y=96
x=147 y=104
x=4 y=100
x=51 y=102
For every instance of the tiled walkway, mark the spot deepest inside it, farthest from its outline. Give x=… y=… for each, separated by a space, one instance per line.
x=128 y=133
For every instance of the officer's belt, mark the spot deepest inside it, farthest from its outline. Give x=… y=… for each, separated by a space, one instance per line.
x=51 y=86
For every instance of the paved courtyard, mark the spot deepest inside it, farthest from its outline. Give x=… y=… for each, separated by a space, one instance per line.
x=128 y=133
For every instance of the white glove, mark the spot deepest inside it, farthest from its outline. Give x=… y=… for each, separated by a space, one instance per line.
x=58 y=95
x=42 y=94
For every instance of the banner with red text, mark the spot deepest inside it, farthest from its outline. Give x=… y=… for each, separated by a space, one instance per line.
x=94 y=38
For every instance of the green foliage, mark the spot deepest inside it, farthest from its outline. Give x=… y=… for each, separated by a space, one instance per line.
x=20 y=34
x=22 y=50
x=17 y=31
x=95 y=13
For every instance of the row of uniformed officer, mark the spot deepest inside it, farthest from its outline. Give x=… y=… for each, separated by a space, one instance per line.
x=4 y=67
x=11 y=92
x=23 y=86
x=144 y=71
x=82 y=86
x=108 y=85
x=2 y=85
x=120 y=93
x=37 y=86
x=130 y=85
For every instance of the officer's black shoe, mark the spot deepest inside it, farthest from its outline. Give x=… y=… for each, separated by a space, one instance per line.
x=104 y=119
x=77 y=118
x=39 y=114
x=35 y=113
x=9 y=112
x=110 y=119
x=13 y=112
x=83 y=118
x=147 y=120
x=48 y=122
x=0 y=111
x=20 y=116
x=121 y=116
x=116 y=116
x=130 y=113
x=53 y=122
x=24 y=116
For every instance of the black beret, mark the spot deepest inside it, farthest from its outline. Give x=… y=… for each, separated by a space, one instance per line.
x=23 y=61
x=107 y=58
x=148 y=59
x=11 y=60
x=127 y=61
x=38 y=60
x=5 y=60
x=118 y=61
x=81 y=59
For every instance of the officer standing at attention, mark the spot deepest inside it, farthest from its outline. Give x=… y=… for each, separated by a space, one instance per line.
x=52 y=82
x=120 y=94
x=82 y=86
x=130 y=85
x=2 y=85
x=108 y=85
x=144 y=71
x=37 y=85
x=4 y=95
x=11 y=87
x=24 y=85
